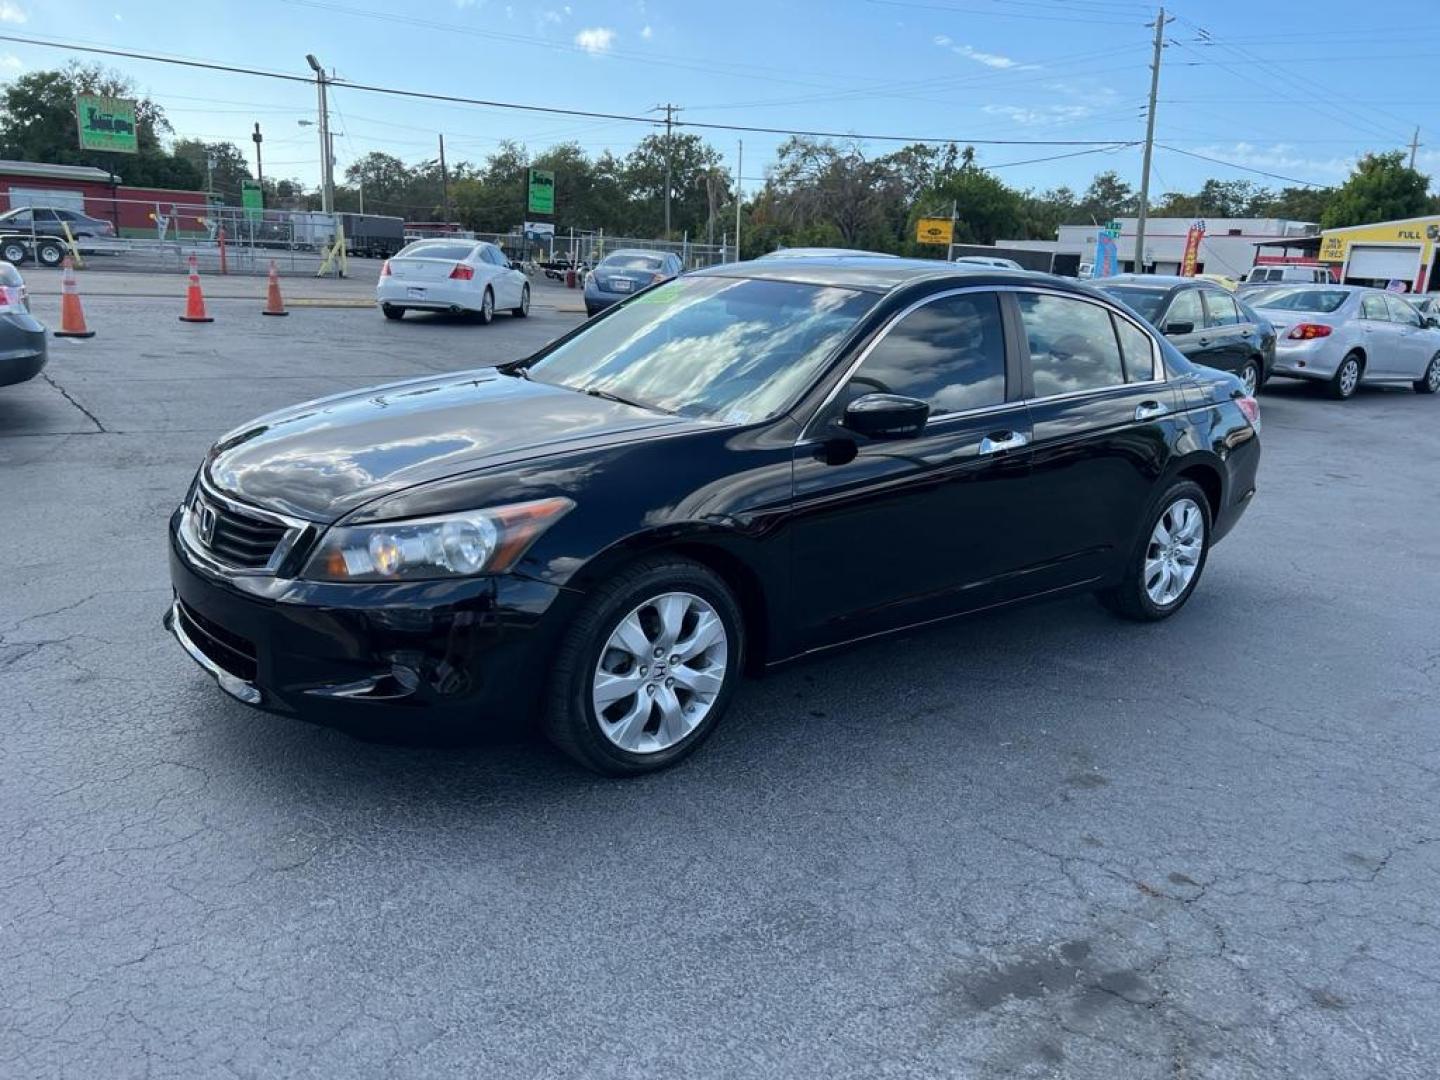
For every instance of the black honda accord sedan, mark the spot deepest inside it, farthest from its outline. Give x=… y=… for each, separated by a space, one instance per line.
x=730 y=470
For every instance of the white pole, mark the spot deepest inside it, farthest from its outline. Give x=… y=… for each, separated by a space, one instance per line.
x=739 y=168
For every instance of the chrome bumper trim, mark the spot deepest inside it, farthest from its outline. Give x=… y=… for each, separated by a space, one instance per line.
x=236 y=688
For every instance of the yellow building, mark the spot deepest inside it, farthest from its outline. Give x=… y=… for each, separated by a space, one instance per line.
x=1389 y=251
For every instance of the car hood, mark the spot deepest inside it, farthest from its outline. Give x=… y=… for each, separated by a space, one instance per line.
x=323 y=459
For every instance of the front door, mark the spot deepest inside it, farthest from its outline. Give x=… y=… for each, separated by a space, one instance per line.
x=1100 y=404
x=889 y=532
x=1414 y=342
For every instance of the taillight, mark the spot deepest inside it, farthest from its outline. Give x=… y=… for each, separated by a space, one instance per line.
x=1251 y=408
x=1306 y=330
x=462 y=272
x=385 y=269
x=12 y=298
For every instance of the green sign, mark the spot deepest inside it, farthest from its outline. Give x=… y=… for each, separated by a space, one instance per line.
x=542 y=191
x=252 y=199
x=106 y=123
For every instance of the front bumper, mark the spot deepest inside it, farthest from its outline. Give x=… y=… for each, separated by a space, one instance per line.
x=457 y=652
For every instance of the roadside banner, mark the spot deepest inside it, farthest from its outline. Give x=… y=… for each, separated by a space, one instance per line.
x=1191 y=258
x=1107 y=254
x=252 y=199
x=934 y=230
x=106 y=123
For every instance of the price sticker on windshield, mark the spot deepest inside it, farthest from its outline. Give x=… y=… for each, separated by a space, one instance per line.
x=661 y=294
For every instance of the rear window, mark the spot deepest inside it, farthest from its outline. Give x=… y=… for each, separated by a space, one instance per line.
x=1144 y=301
x=632 y=262
x=1301 y=299
x=429 y=249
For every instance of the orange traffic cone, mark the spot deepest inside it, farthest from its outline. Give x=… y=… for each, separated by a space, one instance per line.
x=274 y=304
x=194 y=298
x=72 y=316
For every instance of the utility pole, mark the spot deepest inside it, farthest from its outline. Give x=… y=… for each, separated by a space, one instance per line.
x=739 y=181
x=1414 y=147
x=670 y=111
x=444 y=184
x=259 y=171
x=1160 y=22
x=327 y=157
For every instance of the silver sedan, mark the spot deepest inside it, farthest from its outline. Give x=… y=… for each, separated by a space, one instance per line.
x=1344 y=335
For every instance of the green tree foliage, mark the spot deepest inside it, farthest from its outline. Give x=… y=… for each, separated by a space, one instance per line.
x=226 y=174
x=1382 y=188
x=37 y=123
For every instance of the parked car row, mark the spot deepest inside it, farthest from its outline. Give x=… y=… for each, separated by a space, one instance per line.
x=38 y=232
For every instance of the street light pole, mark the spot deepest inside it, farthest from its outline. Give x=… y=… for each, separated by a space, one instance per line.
x=259 y=170
x=327 y=161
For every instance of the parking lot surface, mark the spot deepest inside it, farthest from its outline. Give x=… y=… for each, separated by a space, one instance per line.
x=1042 y=843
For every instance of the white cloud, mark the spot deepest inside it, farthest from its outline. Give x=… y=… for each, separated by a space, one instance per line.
x=595 y=39
x=551 y=17
x=646 y=32
x=992 y=60
x=11 y=62
x=1042 y=114
x=1281 y=157
x=11 y=13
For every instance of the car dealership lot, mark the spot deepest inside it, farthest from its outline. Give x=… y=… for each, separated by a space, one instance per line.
x=1037 y=843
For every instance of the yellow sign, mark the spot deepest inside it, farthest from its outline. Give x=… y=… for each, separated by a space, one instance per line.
x=1421 y=232
x=934 y=230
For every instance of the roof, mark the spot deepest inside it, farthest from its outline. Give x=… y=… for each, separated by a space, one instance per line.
x=1154 y=281
x=871 y=273
x=42 y=171
x=1300 y=243
x=636 y=251
x=1434 y=218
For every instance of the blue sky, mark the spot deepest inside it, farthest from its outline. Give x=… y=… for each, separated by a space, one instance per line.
x=1252 y=83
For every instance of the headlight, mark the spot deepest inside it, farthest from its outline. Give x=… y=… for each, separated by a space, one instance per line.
x=452 y=545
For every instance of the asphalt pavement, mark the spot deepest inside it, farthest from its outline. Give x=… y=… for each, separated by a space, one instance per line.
x=1043 y=843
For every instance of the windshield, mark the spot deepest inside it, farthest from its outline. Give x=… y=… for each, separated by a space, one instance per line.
x=1300 y=299
x=432 y=250
x=1145 y=302
x=632 y=262
x=734 y=349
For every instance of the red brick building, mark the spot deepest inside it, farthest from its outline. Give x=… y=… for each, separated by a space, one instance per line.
x=100 y=194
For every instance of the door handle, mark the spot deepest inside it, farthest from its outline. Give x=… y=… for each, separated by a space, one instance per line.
x=999 y=441
x=1204 y=341
x=1148 y=410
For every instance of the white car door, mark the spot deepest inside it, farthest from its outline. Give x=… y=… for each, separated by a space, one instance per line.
x=1415 y=344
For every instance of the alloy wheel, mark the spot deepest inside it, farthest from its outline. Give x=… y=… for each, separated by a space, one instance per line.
x=660 y=672
x=1250 y=379
x=1432 y=377
x=1349 y=376
x=1173 y=555
x=487 y=305
x=525 y=300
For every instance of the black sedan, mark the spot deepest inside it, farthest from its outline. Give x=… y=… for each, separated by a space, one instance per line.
x=22 y=337
x=730 y=470
x=1204 y=321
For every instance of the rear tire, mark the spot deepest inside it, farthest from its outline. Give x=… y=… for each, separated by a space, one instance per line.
x=49 y=253
x=1151 y=588
x=1429 y=383
x=392 y=312
x=486 y=314
x=631 y=734
x=1250 y=377
x=1347 y=377
x=524 y=308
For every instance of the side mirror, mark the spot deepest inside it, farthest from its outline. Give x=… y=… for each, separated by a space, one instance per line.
x=1179 y=328
x=1432 y=320
x=886 y=416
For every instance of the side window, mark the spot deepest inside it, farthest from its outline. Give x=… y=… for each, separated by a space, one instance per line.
x=45 y=215
x=1072 y=344
x=1402 y=312
x=1184 y=308
x=23 y=219
x=1220 y=309
x=1138 y=350
x=950 y=352
x=1373 y=307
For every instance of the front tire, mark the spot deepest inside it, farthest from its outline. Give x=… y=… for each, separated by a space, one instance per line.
x=1346 y=379
x=1166 y=563
x=14 y=253
x=647 y=668
x=524 y=308
x=392 y=312
x=1429 y=383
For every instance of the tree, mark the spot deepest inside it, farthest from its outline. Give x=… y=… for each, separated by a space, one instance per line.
x=226 y=175
x=1107 y=197
x=1382 y=188
x=1300 y=203
x=986 y=209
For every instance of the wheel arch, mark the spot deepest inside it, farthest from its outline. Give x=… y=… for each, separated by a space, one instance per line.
x=1210 y=478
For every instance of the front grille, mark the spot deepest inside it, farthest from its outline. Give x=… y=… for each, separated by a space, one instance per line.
x=242 y=540
x=229 y=650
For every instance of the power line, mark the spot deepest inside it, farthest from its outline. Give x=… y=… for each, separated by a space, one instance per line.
x=1243 y=168
x=233 y=69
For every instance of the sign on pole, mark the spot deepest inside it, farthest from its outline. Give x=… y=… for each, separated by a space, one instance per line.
x=1107 y=254
x=252 y=198
x=106 y=123
x=542 y=192
x=934 y=230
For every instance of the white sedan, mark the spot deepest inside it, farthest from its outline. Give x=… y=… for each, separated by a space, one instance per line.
x=452 y=275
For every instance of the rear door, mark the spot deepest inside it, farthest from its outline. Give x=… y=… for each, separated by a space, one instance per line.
x=1100 y=405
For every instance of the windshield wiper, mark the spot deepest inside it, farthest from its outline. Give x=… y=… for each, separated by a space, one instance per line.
x=608 y=396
